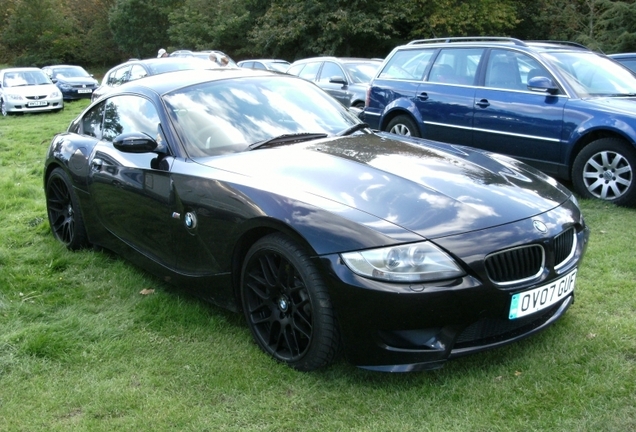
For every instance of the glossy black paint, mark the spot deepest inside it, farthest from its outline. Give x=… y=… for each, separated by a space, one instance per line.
x=332 y=195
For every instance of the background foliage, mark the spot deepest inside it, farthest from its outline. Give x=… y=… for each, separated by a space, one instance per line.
x=106 y=32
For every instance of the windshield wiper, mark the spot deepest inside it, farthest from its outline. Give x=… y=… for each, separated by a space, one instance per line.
x=356 y=127
x=287 y=139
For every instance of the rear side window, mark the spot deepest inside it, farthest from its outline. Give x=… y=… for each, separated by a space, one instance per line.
x=119 y=76
x=92 y=121
x=310 y=71
x=408 y=64
x=456 y=66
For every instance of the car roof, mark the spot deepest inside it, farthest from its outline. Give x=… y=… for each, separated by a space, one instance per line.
x=21 y=69
x=170 y=81
x=340 y=59
x=493 y=41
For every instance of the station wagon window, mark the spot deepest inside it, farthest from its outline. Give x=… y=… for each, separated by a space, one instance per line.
x=118 y=76
x=456 y=66
x=125 y=114
x=511 y=70
x=258 y=65
x=330 y=70
x=408 y=64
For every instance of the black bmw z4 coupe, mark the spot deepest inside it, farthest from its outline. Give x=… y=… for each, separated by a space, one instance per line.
x=261 y=193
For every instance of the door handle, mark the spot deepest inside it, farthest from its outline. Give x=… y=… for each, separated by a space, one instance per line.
x=423 y=96
x=483 y=103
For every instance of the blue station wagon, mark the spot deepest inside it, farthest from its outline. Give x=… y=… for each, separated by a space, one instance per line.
x=568 y=111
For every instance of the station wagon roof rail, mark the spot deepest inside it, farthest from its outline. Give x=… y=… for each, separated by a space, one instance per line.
x=468 y=39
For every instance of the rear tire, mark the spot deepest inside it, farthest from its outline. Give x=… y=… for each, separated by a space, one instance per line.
x=605 y=169
x=287 y=306
x=64 y=212
x=403 y=125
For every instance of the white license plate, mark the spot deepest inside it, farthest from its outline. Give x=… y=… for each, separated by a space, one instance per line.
x=38 y=103
x=527 y=302
x=84 y=91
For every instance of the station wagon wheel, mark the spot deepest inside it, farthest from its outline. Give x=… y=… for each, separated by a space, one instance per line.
x=63 y=210
x=3 y=107
x=605 y=169
x=403 y=125
x=286 y=304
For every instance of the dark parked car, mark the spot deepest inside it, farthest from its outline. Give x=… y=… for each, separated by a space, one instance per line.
x=276 y=65
x=73 y=81
x=626 y=59
x=263 y=194
x=346 y=79
x=566 y=110
x=134 y=69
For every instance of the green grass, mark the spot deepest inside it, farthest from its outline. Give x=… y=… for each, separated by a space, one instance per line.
x=82 y=349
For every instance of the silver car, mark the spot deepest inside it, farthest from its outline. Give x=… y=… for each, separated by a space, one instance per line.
x=28 y=90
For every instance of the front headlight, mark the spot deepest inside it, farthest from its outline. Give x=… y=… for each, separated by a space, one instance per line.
x=66 y=87
x=15 y=97
x=416 y=262
x=55 y=94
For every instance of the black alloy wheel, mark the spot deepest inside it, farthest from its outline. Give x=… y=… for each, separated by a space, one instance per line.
x=403 y=125
x=63 y=210
x=286 y=304
x=605 y=169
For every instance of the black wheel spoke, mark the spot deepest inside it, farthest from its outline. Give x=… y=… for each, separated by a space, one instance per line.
x=277 y=284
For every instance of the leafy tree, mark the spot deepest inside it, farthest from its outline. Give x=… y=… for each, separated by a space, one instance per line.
x=617 y=27
x=140 y=27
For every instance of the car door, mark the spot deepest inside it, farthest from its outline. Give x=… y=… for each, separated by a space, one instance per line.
x=333 y=80
x=513 y=120
x=445 y=100
x=131 y=192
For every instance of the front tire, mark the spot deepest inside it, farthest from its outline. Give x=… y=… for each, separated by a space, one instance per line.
x=63 y=210
x=3 y=108
x=286 y=304
x=403 y=125
x=605 y=170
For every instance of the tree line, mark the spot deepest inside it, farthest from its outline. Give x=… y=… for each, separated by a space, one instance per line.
x=106 y=32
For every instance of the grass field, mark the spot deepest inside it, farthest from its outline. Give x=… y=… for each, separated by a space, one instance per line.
x=81 y=349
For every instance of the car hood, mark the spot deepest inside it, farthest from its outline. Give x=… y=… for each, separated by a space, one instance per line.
x=32 y=90
x=77 y=81
x=430 y=188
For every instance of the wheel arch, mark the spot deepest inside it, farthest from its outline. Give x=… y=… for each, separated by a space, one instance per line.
x=398 y=111
x=261 y=228
x=589 y=138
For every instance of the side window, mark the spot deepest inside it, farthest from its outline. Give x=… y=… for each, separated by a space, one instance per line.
x=137 y=72
x=330 y=70
x=92 y=121
x=310 y=71
x=124 y=114
x=456 y=66
x=512 y=70
x=409 y=64
x=295 y=70
x=259 y=65
x=118 y=76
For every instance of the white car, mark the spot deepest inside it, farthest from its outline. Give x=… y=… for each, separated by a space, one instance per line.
x=28 y=90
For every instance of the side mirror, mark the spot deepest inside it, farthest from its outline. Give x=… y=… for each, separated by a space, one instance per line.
x=338 y=80
x=542 y=84
x=135 y=142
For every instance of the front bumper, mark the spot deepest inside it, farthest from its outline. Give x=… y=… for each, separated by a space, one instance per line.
x=401 y=327
x=26 y=106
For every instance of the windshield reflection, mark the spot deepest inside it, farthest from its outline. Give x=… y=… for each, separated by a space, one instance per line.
x=227 y=116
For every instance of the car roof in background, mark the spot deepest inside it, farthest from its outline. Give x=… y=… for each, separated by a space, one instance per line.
x=179 y=79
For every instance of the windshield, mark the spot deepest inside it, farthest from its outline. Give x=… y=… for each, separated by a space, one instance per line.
x=25 y=78
x=227 y=116
x=69 y=72
x=362 y=72
x=593 y=75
